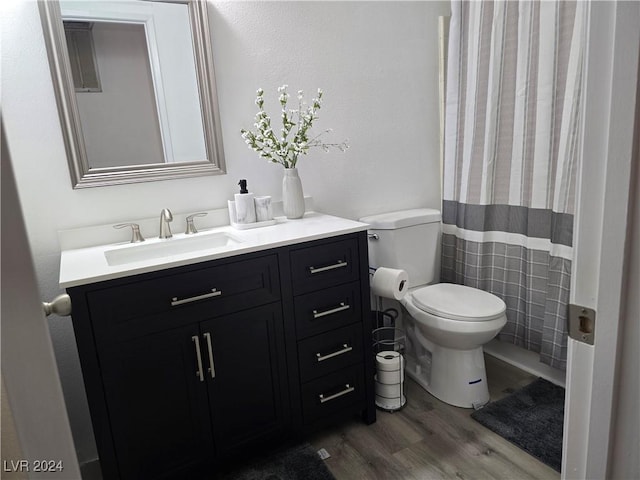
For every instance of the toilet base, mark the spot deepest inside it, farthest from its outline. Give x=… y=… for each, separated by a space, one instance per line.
x=457 y=377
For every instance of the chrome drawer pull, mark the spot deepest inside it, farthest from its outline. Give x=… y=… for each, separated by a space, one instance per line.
x=214 y=293
x=340 y=264
x=199 y=373
x=212 y=368
x=347 y=389
x=345 y=349
x=324 y=313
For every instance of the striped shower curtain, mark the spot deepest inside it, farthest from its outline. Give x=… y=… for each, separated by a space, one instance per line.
x=510 y=157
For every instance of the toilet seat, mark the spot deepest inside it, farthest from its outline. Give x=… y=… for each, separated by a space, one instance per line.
x=458 y=302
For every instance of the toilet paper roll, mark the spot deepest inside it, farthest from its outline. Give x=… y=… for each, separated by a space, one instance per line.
x=390 y=283
x=390 y=403
x=389 y=391
x=389 y=367
x=390 y=378
x=388 y=360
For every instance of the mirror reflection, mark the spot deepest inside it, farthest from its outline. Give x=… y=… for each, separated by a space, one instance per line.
x=120 y=121
x=135 y=89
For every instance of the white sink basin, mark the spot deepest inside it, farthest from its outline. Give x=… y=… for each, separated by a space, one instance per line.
x=172 y=246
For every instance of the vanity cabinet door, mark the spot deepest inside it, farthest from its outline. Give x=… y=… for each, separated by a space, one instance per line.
x=158 y=405
x=248 y=384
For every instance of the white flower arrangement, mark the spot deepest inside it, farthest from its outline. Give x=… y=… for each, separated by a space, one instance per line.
x=282 y=149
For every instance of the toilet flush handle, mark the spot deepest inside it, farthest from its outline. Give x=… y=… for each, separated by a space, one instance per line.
x=373 y=236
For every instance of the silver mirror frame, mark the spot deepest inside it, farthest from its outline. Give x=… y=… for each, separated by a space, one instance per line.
x=82 y=176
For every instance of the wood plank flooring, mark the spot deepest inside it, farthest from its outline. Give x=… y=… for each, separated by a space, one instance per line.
x=429 y=439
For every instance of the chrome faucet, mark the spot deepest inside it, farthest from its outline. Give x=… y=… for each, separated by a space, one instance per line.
x=165 y=218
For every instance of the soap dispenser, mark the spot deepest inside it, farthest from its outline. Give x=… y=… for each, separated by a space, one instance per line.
x=245 y=206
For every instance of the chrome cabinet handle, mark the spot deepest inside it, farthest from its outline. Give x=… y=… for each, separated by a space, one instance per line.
x=345 y=349
x=212 y=368
x=341 y=308
x=347 y=389
x=199 y=373
x=214 y=293
x=340 y=264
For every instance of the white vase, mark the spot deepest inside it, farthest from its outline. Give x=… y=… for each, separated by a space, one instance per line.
x=292 y=196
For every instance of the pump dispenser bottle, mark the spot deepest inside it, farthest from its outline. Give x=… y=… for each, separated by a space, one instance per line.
x=245 y=206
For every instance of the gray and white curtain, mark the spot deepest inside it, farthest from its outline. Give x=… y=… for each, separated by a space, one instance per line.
x=511 y=152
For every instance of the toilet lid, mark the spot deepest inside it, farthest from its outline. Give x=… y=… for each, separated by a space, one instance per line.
x=458 y=302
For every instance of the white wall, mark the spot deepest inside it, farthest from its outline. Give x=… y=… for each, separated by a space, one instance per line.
x=376 y=62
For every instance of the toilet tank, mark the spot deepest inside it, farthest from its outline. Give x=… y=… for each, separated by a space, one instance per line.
x=408 y=240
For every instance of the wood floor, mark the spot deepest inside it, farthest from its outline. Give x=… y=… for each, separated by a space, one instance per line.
x=429 y=439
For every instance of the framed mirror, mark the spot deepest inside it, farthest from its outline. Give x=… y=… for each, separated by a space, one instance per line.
x=135 y=89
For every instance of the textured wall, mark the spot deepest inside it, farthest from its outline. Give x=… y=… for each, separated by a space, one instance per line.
x=376 y=62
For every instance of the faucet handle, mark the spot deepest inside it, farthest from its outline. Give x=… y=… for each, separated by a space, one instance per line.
x=191 y=228
x=136 y=236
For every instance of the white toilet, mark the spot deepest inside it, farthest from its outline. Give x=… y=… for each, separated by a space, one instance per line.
x=447 y=323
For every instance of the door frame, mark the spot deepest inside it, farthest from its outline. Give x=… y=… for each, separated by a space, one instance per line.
x=601 y=222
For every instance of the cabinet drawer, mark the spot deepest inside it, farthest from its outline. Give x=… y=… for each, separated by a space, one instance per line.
x=327 y=309
x=325 y=265
x=329 y=352
x=332 y=392
x=210 y=291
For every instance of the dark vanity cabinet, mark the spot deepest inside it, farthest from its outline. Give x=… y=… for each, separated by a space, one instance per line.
x=189 y=366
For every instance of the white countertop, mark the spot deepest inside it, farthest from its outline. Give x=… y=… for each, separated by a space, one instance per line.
x=81 y=266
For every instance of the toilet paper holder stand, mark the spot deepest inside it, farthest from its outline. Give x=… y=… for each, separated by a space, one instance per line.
x=388 y=349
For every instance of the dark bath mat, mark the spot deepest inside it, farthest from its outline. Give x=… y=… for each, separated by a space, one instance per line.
x=299 y=462
x=531 y=418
